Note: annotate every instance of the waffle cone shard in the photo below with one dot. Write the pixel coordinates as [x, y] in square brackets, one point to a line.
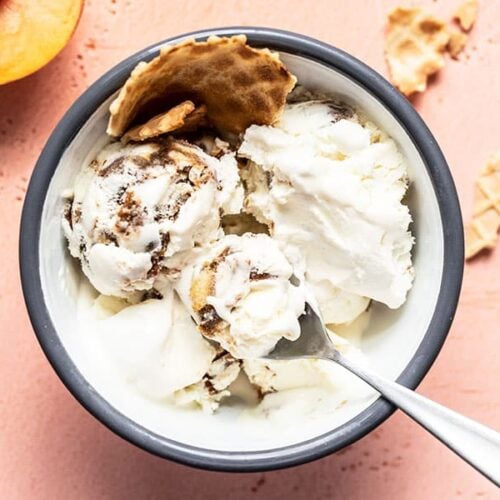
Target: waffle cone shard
[456, 43]
[239, 85]
[202, 287]
[414, 49]
[181, 117]
[466, 14]
[195, 119]
[482, 231]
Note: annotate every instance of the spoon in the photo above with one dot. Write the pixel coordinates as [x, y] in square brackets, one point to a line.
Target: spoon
[477, 444]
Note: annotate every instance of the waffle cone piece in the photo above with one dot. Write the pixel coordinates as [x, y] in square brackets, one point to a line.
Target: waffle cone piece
[415, 46]
[239, 85]
[456, 43]
[482, 232]
[181, 118]
[202, 287]
[466, 14]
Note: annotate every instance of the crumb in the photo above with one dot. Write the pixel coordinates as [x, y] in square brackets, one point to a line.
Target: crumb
[259, 483]
[90, 44]
[456, 43]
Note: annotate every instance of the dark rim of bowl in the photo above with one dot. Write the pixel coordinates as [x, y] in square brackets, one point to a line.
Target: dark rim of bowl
[294, 454]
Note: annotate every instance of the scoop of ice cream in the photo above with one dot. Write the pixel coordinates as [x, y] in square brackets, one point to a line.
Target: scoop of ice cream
[331, 187]
[338, 307]
[241, 295]
[142, 208]
[148, 343]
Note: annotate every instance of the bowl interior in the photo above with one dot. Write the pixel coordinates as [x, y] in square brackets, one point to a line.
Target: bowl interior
[390, 342]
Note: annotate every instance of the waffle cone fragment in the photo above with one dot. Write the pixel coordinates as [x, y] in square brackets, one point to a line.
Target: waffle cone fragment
[415, 44]
[183, 117]
[482, 232]
[456, 43]
[202, 287]
[195, 119]
[466, 14]
[239, 85]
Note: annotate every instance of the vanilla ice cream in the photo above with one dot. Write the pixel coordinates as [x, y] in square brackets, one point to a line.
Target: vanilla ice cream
[241, 295]
[140, 209]
[332, 186]
[145, 343]
[203, 254]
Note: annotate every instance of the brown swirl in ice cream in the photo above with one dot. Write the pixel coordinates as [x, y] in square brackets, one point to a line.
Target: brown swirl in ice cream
[141, 208]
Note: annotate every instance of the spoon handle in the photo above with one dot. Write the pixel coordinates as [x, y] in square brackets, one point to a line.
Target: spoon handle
[477, 444]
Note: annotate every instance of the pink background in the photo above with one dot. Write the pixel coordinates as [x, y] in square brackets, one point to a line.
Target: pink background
[50, 448]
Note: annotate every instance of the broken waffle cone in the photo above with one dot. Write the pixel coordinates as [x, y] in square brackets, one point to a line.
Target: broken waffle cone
[466, 14]
[194, 120]
[173, 119]
[456, 43]
[415, 44]
[239, 85]
[482, 232]
[202, 287]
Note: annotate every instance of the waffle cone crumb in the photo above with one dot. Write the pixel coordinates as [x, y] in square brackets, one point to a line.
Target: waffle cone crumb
[482, 231]
[183, 117]
[202, 287]
[466, 14]
[457, 43]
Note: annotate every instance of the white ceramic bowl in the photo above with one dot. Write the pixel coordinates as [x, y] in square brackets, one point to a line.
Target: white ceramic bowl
[401, 344]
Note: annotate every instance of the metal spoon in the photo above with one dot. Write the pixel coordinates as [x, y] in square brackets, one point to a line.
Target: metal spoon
[477, 444]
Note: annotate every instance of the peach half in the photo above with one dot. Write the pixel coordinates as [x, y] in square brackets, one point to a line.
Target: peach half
[33, 32]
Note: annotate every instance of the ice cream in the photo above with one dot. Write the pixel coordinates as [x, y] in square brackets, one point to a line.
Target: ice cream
[141, 209]
[241, 295]
[203, 253]
[213, 386]
[202, 289]
[149, 342]
[331, 186]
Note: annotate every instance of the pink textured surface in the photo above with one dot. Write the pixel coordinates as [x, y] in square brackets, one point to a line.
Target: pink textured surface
[50, 448]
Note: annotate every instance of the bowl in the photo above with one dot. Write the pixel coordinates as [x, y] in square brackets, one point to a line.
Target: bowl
[401, 344]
